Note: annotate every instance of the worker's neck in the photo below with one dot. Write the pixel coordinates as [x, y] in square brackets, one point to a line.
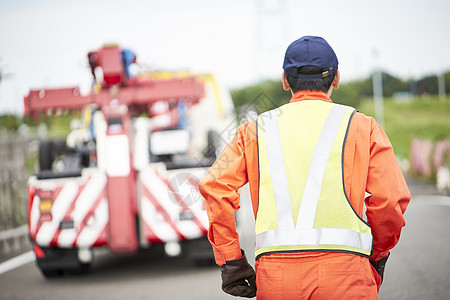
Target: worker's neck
[330, 91]
[310, 95]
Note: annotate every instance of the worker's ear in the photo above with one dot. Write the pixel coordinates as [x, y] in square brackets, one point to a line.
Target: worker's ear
[336, 79]
[286, 85]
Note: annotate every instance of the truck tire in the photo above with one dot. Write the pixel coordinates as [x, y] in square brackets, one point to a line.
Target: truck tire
[51, 273]
[200, 252]
[212, 149]
[58, 262]
[204, 261]
[45, 155]
[59, 147]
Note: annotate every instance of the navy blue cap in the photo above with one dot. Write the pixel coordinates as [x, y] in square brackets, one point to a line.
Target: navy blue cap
[310, 51]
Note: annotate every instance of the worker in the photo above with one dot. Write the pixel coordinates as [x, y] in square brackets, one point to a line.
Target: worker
[309, 164]
[128, 58]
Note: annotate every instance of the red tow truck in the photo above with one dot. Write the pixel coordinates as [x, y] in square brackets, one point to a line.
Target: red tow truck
[126, 176]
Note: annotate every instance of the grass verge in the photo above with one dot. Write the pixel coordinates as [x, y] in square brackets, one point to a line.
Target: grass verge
[427, 118]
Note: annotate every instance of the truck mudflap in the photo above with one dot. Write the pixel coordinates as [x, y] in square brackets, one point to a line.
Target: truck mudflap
[69, 213]
[171, 208]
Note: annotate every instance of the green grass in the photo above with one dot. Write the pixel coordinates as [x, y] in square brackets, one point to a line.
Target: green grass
[427, 118]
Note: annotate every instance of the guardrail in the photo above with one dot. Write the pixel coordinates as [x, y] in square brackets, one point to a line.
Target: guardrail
[13, 181]
[14, 240]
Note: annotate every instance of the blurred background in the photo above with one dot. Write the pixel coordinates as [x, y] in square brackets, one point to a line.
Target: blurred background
[394, 64]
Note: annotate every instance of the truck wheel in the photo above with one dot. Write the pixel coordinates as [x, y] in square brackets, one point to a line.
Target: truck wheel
[80, 269]
[200, 252]
[45, 155]
[204, 261]
[212, 149]
[51, 273]
[59, 147]
[57, 262]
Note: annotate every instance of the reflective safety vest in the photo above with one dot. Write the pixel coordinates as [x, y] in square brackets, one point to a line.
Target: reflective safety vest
[303, 205]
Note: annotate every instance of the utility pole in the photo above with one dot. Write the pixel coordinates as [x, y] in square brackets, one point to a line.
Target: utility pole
[377, 82]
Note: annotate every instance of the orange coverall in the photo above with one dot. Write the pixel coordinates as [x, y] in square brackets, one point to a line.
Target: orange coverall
[369, 165]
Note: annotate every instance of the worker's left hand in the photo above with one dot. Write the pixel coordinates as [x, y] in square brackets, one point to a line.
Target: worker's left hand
[239, 278]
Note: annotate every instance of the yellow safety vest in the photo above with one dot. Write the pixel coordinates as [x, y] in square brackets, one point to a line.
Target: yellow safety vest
[303, 205]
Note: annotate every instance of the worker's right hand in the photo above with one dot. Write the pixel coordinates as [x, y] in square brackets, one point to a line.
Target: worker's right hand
[379, 266]
[239, 278]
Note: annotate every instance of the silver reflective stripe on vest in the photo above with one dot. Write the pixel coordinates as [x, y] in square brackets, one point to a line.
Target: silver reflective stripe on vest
[314, 236]
[311, 194]
[277, 170]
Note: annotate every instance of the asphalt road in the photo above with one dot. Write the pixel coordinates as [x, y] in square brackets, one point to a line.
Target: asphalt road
[145, 276]
[419, 267]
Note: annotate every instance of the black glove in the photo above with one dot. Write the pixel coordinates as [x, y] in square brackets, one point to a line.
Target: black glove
[239, 278]
[379, 266]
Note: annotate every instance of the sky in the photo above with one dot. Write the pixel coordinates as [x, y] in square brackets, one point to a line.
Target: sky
[44, 43]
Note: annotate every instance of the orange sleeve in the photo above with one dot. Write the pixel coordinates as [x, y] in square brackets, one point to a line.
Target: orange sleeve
[389, 194]
[220, 187]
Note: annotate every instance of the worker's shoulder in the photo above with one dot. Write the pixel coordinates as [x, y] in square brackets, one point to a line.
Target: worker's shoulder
[363, 120]
[366, 127]
[247, 129]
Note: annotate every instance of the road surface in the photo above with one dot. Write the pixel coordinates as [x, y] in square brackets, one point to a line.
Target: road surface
[419, 267]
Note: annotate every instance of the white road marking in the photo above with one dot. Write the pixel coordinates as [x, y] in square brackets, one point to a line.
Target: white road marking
[17, 262]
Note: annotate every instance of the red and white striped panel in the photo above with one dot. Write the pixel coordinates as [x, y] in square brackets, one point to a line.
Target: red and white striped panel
[166, 208]
[81, 200]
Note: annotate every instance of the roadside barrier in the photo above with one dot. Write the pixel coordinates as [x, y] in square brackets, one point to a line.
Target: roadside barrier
[431, 159]
[14, 240]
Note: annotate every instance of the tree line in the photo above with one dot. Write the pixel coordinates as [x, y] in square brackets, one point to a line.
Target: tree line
[351, 93]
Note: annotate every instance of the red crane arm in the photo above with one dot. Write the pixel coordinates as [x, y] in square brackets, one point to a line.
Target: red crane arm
[139, 95]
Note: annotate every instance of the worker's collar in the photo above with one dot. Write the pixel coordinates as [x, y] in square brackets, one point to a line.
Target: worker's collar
[310, 95]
